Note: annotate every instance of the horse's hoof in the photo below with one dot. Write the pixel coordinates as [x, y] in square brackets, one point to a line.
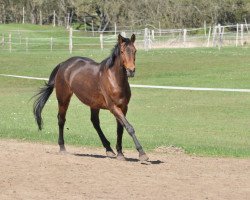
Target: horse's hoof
[62, 149]
[110, 154]
[143, 157]
[121, 157]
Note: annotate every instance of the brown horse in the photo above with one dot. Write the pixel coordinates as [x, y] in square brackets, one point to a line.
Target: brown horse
[100, 86]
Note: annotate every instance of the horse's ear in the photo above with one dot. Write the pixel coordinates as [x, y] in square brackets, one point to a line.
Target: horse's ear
[120, 39]
[133, 38]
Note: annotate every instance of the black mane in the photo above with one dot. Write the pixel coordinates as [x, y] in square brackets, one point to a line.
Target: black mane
[109, 62]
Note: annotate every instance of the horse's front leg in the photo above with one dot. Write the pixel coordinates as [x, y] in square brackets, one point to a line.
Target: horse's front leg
[120, 129]
[122, 119]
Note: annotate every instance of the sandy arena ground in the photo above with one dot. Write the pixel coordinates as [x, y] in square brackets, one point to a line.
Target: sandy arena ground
[38, 171]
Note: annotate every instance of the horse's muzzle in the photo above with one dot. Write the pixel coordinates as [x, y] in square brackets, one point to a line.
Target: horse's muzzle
[130, 73]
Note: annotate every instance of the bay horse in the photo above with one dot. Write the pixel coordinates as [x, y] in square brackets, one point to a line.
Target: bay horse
[100, 86]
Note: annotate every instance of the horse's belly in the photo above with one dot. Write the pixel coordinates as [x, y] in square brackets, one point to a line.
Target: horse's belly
[85, 87]
[91, 98]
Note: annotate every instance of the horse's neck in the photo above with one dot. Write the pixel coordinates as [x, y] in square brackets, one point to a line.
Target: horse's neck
[119, 72]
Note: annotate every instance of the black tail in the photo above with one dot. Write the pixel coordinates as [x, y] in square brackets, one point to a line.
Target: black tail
[43, 96]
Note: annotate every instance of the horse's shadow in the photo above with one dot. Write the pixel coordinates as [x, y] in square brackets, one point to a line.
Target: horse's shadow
[154, 162]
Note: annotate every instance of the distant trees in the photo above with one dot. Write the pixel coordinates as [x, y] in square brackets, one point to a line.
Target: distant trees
[104, 13]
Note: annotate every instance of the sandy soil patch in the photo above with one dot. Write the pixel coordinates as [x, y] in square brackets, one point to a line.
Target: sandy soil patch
[38, 171]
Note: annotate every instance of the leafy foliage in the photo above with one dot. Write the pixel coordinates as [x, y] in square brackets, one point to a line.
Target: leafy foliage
[105, 13]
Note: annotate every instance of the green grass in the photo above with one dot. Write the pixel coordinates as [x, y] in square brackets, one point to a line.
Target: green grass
[202, 123]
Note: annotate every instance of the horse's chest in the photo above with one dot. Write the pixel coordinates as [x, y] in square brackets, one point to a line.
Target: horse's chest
[120, 97]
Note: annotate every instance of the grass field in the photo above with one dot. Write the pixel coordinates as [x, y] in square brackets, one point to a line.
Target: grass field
[203, 123]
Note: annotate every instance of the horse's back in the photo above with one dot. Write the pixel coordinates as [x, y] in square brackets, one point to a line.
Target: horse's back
[79, 66]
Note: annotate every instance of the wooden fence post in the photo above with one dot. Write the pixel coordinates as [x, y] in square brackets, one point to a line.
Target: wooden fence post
[214, 36]
[54, 18]
[101, 40]
[208, 38]
[92, 26]
[153, 34]
[219, 33]
[115, 28]
[241, 34]
[67, 21]
[246, 25]
[237, 35]
[123, 33]
[23, 15]
[70, 40]
[184, 36]
[85, 25]
[146, 39]
[4, 14]
[41, 18]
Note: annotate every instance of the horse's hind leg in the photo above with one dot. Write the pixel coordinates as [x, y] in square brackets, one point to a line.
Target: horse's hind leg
[96, 123]
[63, 96]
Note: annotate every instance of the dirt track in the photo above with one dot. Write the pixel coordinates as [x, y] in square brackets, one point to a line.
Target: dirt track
[37, 171]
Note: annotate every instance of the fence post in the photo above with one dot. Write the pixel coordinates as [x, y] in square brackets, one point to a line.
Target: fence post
[241, 34]
[41, 18]
[10, 47]
[214, 36]
[85, 24]
[115, 28]
[70, 40]
[220, 39]
[184, 36]
[54, 18]
[237, 35]
[67, 21]
[92, 26]
[246, 25]
[153, 34]
[222, 35]
[123, 33]
[101, 40]
[51, 44]
[23, 15]
[208, 38]
[146, 39]
[4, 15]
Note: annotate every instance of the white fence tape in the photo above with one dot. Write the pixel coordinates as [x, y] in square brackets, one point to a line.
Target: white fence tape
[150, 86]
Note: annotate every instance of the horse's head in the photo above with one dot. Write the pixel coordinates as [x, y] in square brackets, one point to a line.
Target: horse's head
[127, 50]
